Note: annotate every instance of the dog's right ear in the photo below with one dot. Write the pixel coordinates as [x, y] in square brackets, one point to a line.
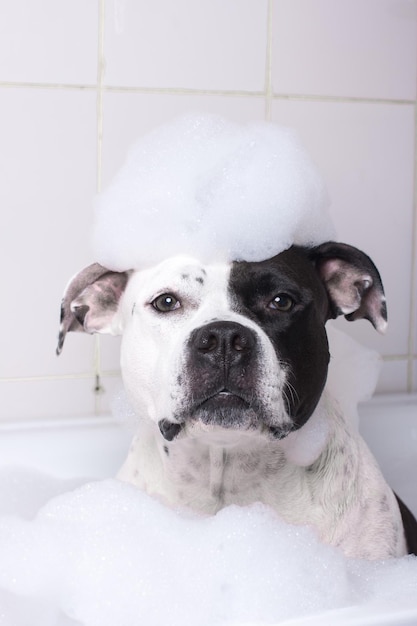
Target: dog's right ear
[90, 301]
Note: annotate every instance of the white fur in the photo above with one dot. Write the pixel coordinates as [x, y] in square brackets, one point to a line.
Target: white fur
[336, 486]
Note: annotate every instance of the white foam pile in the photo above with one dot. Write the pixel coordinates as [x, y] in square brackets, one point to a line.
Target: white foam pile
[108, 554]
[208, 187]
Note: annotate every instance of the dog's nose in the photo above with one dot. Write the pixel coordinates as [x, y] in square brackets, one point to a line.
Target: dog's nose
[222, 340]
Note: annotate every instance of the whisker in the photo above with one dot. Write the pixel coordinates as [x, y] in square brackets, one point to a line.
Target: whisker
[290, 396]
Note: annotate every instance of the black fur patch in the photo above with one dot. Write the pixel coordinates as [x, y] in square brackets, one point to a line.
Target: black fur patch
[410, 526]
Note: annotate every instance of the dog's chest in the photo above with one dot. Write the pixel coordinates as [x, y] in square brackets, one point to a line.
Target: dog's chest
[342, 494]
[208, 478]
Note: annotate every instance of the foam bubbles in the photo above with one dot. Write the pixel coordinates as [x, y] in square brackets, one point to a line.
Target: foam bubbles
[107, 554]
[213, 189]
[353, 372]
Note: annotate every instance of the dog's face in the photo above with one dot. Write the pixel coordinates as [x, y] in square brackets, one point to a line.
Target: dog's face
[235, 347]
[241, 346]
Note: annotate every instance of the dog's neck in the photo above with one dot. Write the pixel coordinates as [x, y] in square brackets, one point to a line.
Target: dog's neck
[206, 471]
[207, 476]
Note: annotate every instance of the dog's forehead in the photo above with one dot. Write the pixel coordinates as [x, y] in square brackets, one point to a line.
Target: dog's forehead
[290, 270]
[179, 273]
[290, 265]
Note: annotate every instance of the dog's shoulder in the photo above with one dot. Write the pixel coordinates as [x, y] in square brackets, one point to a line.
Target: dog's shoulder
[361, 512]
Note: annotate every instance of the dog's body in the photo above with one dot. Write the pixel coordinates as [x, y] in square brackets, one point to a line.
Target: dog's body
[342, 494]
[226, 366]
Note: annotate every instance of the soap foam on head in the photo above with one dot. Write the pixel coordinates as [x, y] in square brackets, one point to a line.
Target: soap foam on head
[213, 189]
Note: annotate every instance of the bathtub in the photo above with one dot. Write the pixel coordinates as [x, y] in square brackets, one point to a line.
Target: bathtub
[94, 448]
[389, 425]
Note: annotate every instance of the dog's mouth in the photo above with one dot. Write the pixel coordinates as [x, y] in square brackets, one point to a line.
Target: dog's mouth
[224, 409]
[223, 400]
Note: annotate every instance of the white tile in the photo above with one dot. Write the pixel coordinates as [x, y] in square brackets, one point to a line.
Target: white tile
[46, 399]
[414, 292]
[393, 377]
[357, 48]
[365, 153]
[128, 116]
[49, 41]
[48, 161]
[210, 44]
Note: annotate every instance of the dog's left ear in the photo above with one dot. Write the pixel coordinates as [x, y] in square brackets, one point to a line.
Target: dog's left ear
[352, 282]
[91, 301]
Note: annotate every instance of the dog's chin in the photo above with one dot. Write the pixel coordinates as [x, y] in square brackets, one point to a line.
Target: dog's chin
[226, 410]
[222, 418]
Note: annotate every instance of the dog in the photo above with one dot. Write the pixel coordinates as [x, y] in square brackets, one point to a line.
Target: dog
[226, 365]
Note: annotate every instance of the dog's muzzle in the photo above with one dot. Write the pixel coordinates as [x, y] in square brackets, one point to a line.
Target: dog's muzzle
[222, 373]
[221, 367]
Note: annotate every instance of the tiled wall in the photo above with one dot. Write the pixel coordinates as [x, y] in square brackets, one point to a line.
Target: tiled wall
[80, 80]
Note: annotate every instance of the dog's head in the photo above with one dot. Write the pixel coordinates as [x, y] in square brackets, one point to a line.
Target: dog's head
[238, 346]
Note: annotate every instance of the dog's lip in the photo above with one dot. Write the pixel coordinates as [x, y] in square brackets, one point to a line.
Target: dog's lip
[225, 393]
[225, 398]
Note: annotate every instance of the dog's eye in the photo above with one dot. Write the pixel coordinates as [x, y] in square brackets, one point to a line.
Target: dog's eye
[166, 303]
[282, 302]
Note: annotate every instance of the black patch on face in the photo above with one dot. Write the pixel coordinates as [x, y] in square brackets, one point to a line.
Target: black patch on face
[298, 335]
[200, 280]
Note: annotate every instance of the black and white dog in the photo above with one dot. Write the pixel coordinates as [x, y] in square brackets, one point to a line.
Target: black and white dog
[226, 366]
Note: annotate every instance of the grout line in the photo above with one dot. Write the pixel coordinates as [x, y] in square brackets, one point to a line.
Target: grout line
[98, 376]
[52, 86]
[49, 377]
[98, 389]
[209, 92]
[127, 89]
[184, 91]
[100, 80]
[413, 281]
[268, 68]
[395, 357]
[97, 363]
[343, 99]
[31, 425]
[111, 373]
